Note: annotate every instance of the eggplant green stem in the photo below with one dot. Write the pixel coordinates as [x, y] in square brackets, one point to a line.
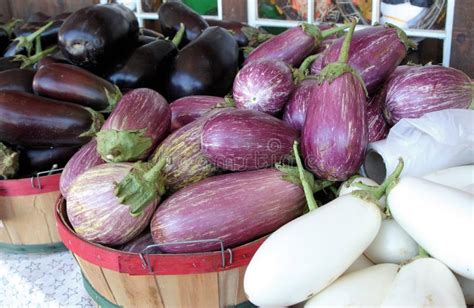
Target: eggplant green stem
[327, 33]
[300, 73]
[386, 186]
[29, 61]
[27, 41]
[38, 47]
[141, 186]
[344, 53]
[308, 191]
[422, 253]
[179, 35]
[228, 102]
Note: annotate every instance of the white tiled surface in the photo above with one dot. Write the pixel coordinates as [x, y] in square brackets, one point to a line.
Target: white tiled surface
[41, 280]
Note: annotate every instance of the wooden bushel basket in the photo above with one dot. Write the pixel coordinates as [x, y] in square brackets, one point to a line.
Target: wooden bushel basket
[27, 222]
[126, 279]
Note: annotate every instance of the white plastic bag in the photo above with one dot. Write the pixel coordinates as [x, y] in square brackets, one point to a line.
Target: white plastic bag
[437, 140]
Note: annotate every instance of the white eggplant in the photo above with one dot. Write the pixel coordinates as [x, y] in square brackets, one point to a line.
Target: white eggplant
[351, 185]
[360, 263]
[392, 244]
[366, 287]
[437, 217]
[309, 253]
[422, 283]
[467, 286]
[461, 177]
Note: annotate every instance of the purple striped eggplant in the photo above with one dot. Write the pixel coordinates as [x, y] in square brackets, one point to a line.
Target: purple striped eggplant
[375, 52]
[264, 86]
[182, 151]
[424, 89]
[187, 109]
[140, 243]
[74, 84]
[293, 45]
[135, 127]
[9, 162]
[84, 159]
[295, 110]
[242, 140]
[235, 207]
[97, 214]
[376, 124]
[334, 137]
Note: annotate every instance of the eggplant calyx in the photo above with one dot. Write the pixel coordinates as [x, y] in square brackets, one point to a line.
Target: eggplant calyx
[255, 36]
[179, 35]
[9, 162]
[328, 32]
[97, 121]
[409, 44]
[10, 26]
[313, 31]
[30, 61]
[116, 146]
[27, 41]
[141, 186]
[227, 103]
[301, 73]
[247, 50]
[112, 98]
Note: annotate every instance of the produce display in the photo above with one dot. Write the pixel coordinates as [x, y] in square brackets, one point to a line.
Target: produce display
[219, 131]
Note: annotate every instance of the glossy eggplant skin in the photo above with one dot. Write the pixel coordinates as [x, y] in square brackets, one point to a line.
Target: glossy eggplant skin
[48, 60]
[206, 66]
[33, 121]
[172, 14]
[147, 67]
[73, 84]
[151, 33]
[37, 160]
[8, 63]
[12, 50]
[235, 27]
[98, 35]
[143, 40]
[17, 79]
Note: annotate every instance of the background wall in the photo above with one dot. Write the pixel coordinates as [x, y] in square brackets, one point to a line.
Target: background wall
[462, 54]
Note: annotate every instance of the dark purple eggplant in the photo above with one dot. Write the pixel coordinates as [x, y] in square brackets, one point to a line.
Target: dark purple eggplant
[263, 85]
[9, 162]
[74, 84]
[182, 150]
[37, 160]
[17, 79]
[375, 52]
[189, 108]
[206, 66]
[293, 45]
[148, 65]
[38, 17]
[242, 140]
[84, 159]
[48, 60]
[151, 33]
[420, 90]
[4, 40]
[172, 14]
[48, 37]
[95, 36]
[9, 63]
[334, 137]
[135, 127]
[235, 28]
[33, 121]
[143, 40]
[235, 208]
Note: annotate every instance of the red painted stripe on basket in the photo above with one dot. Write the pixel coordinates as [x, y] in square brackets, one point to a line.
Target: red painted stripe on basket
[23, 187]
[166, 264]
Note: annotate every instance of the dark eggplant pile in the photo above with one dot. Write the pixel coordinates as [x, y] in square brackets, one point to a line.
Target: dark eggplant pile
[173, 136]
